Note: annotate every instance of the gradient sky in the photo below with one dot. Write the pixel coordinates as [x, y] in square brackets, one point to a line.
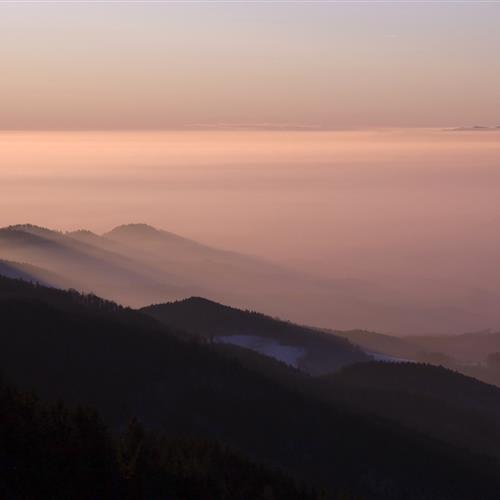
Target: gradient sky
[175, 65]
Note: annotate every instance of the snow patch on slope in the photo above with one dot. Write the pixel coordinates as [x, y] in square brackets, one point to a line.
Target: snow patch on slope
[377, 356]
[268, 347]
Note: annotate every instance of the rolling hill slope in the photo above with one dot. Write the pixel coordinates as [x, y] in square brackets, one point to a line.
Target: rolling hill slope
[59, 452]
[466, 348]
[137, 265]
[434, 400]
[305, 348]
[379, 343]
[85, 350]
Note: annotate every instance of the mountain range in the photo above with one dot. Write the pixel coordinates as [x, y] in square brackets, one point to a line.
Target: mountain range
[165, 386]
[138, 265]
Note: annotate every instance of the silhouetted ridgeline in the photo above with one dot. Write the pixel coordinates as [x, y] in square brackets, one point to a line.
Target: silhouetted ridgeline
[126, 365]
[382, 344]
[27, 272]
[138, 265]
[476, 354]
[467, 348]
[318, 352]
[433, 400]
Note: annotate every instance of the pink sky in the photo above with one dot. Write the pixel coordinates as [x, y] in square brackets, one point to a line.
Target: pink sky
[173, 65]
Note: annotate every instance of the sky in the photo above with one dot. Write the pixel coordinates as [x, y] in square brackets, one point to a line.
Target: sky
[312, 65]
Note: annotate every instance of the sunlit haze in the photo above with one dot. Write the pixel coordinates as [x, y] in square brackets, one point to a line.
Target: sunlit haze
[410, 216]
[356, 143]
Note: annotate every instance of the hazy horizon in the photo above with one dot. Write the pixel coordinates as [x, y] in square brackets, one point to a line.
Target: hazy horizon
[314, 135]
[410, 215]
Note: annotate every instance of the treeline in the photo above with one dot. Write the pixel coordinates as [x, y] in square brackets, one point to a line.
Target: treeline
[57, 452]
[322, 352]
[73, 301]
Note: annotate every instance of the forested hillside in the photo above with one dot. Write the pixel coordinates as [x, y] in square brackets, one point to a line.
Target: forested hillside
[92, 352]
[318, 352]
[59, 452]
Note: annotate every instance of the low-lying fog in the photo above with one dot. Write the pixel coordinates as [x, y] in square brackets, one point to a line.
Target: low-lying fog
[403, 217]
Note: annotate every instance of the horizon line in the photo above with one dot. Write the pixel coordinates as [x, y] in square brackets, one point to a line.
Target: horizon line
[254, 128]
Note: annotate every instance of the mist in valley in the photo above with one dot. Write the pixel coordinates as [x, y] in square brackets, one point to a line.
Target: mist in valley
[393, 230]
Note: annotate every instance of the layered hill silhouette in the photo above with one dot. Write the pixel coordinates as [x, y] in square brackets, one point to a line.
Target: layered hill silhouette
[86, 350]
[308, 349]
[434, 400]
[88, 267]
[381, 344]
[137, 265]
[474, 347]
[29, 273]
[475, 354]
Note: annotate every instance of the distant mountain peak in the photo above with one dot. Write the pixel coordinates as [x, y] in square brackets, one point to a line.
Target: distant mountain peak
[202, 300]
[83, 235]
[82, 232]
[475, 128]
[207, 304]
[139, 232]
[31, 228]
[32, 231]
[138, 229]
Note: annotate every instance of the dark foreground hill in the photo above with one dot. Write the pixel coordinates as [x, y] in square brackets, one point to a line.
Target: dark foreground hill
[125, 364]
[51, 451]
[310, 350]
[433, 400]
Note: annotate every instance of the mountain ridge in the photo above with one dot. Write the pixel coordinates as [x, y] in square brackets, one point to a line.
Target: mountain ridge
[320, 352]
[159, 266]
